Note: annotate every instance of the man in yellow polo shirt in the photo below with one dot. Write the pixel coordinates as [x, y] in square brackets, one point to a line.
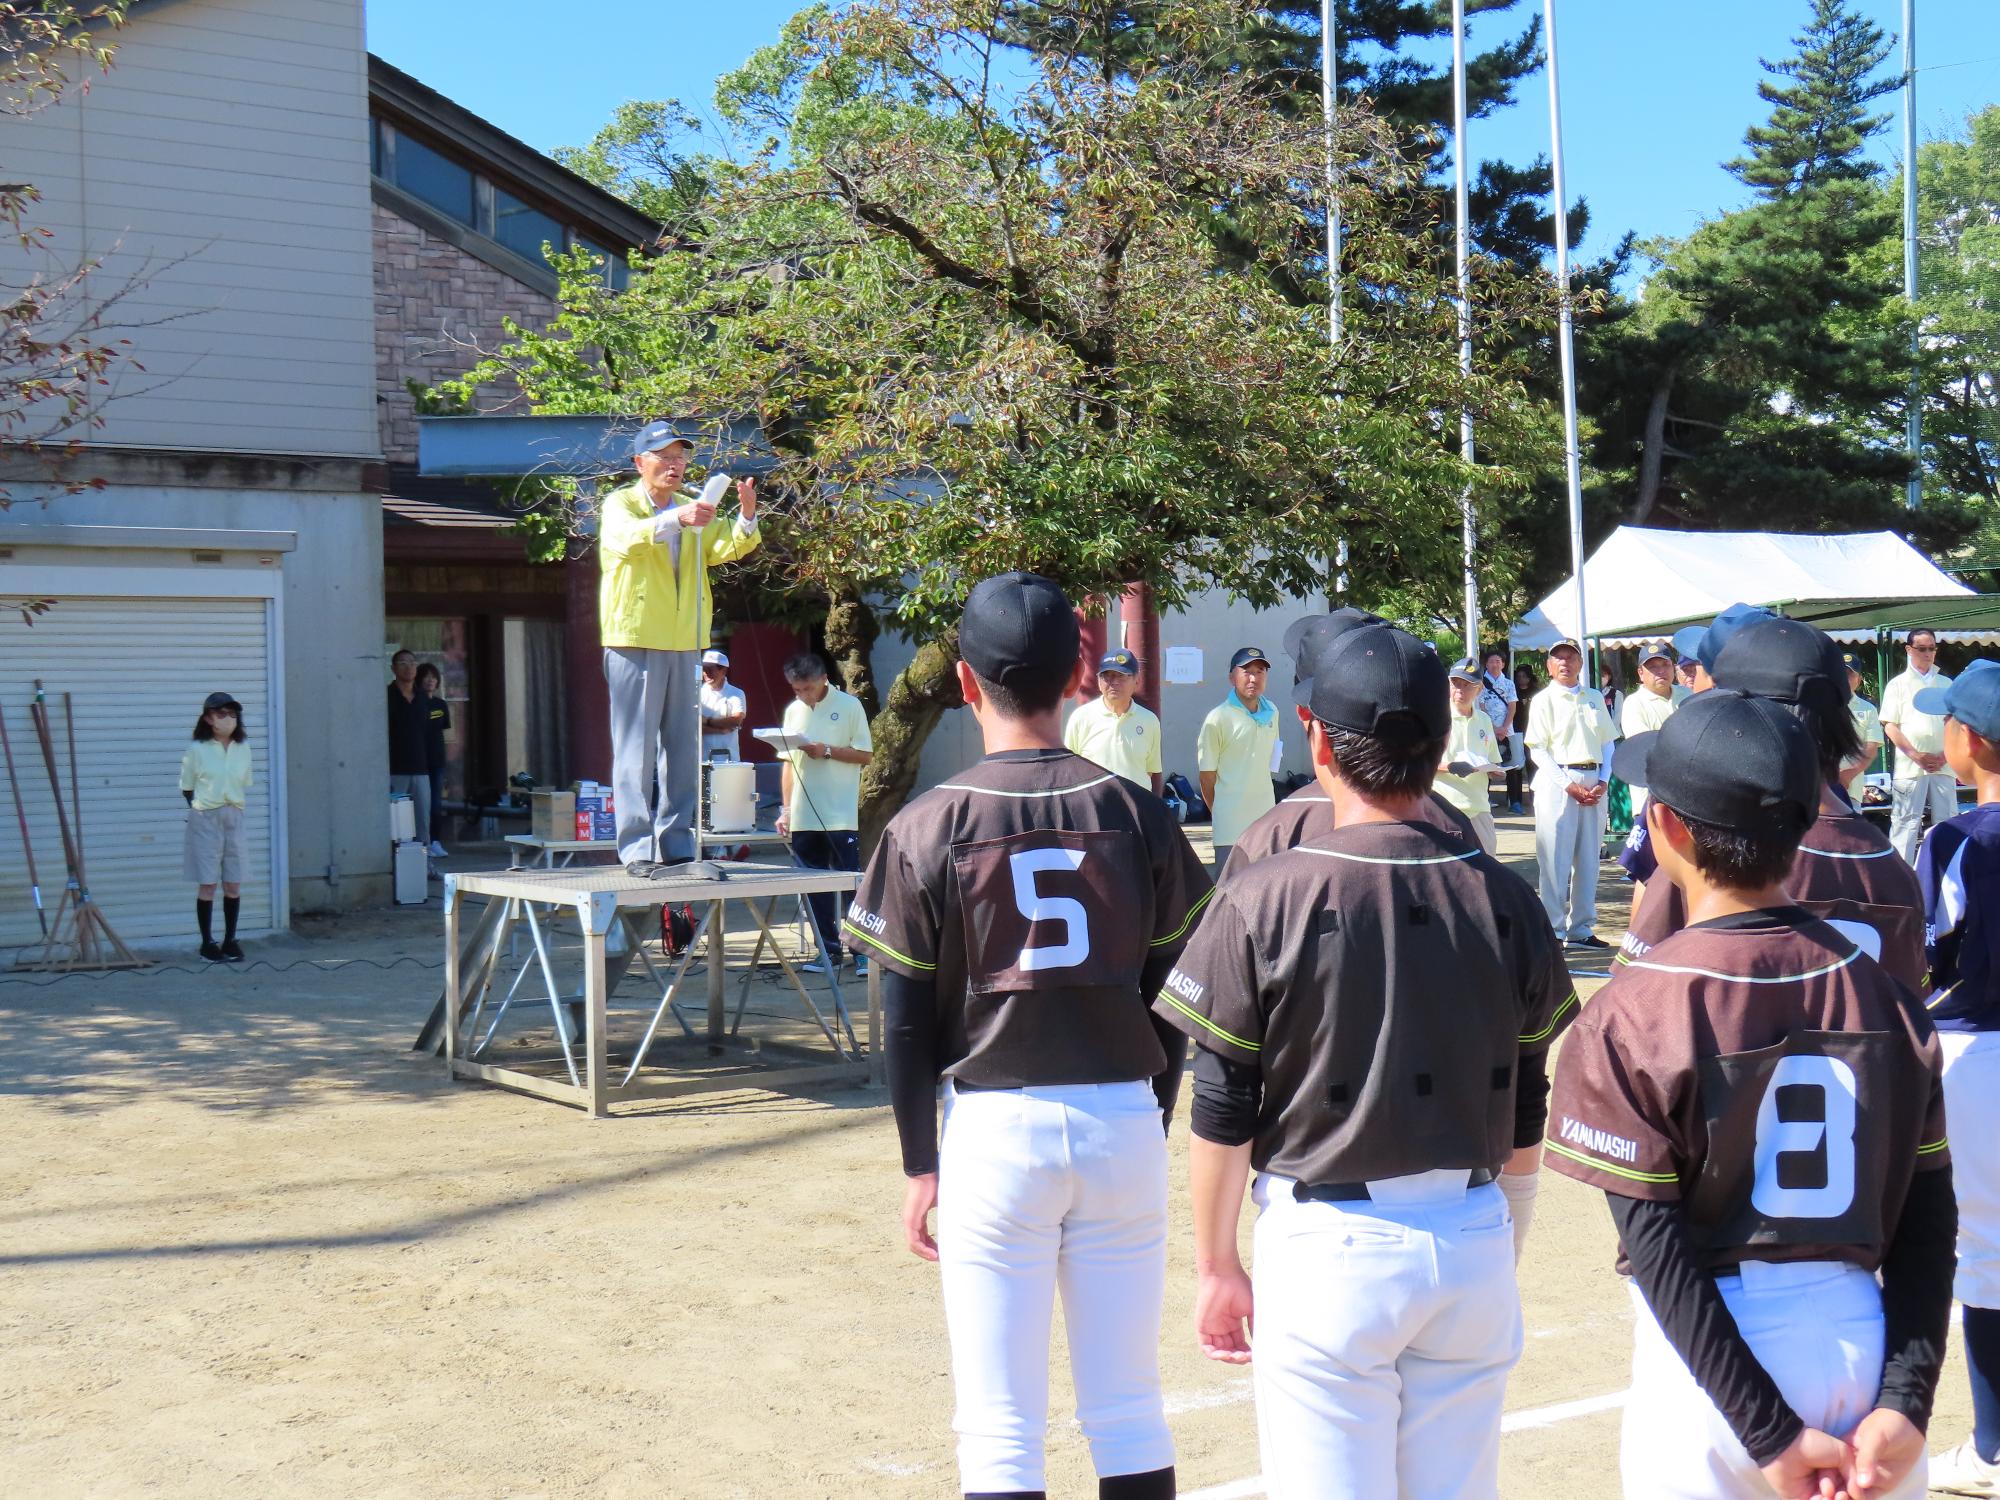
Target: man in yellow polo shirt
[1651, 704]
[1923, 782]
[1867, 724]
[1117, 733]
[1570, 734]
[821, 783]
[655, 545]
[1237, 752]
[1471, 755]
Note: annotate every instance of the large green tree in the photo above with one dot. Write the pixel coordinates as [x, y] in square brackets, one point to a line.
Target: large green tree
[978, 311]
[1742, 389]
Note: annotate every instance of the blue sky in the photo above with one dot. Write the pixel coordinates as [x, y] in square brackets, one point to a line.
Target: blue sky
[1655, 92]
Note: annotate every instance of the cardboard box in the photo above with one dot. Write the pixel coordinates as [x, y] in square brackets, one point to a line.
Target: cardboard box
[580, 825]
[603, 827]
[552, 815]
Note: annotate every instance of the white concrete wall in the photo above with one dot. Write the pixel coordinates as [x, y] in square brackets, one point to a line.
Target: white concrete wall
[1214, 622]
[223, 161]
[337, 757]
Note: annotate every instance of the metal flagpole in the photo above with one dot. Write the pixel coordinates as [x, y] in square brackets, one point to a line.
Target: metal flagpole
[1915, 436]
[1470, 529]
[1565, 333]
[1329, 104]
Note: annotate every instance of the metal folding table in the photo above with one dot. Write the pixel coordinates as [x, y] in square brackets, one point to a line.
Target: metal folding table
[607, 899]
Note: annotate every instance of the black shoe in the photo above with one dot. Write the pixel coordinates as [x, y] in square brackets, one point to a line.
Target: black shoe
[212, 953]
[1592, 941]
[232, 951]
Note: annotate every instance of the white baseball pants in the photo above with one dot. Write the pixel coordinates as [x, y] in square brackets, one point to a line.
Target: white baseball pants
[1044, 1190]
[1908, 797]
[1385, 1333]
[1569, 844]
[1815, 1326]
[1972, 1105]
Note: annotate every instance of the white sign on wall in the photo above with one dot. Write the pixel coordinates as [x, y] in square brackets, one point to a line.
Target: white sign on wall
[1182, 664]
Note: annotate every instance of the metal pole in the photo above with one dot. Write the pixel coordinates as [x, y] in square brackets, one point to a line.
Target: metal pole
[1565, 330]
[1329, 104]
[1468, 522]
[1915, 436]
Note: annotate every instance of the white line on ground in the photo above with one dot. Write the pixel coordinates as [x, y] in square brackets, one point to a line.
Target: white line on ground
[1514, 1421]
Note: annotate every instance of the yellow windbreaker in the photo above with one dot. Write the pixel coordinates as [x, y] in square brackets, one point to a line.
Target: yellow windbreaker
[642, 599]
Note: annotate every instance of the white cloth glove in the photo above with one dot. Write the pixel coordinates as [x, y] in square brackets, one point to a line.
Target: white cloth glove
[1520, 1189]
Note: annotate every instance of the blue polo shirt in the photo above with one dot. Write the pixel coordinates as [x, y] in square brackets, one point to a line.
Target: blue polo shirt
[1959, 869]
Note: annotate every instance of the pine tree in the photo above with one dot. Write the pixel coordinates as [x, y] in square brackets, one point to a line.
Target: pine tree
[1819, 120]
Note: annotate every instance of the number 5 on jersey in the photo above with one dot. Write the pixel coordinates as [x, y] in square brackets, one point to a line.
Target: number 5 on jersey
[1052, 909]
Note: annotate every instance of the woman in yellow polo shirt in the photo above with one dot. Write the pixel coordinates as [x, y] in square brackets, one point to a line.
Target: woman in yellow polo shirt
[215, 780]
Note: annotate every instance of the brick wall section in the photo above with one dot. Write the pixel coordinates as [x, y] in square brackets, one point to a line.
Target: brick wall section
[431, 299]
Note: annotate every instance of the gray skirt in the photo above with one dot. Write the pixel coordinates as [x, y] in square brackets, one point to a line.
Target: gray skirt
[212, 852]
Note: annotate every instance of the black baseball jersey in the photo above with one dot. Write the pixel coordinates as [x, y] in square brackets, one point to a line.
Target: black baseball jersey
[1386, 979]
[1847, 873]
[1034, 890]
[1765, 1073]
[1307, 815]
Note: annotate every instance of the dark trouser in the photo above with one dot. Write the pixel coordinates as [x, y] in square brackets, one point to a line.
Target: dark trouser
[1513, 789]
[437, 805]
[827, 851]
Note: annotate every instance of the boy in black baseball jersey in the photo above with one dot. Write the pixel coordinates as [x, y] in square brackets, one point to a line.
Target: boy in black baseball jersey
[1763, 1106]
[1308, 813]
[1846, 871]
[1021, 913]
[1373, 1011]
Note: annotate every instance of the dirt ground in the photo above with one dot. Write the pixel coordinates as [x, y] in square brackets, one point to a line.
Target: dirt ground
[251, 1245]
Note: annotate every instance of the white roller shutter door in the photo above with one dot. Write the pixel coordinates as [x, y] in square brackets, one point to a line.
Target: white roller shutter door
[137, 670]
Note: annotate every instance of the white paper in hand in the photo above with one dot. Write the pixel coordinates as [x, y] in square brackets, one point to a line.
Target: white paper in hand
[715, 489]
[778, 740]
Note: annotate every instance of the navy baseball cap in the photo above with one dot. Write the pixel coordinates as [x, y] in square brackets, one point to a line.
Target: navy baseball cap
[1852, 661]
[1467, 669]
[656, 435]
[1972, 698]
[1656, 651]
[1788, 660]
[220, 700]
[1705, 642]
[1247, 656]
[1729, 758]
[1307, 638]
[1370, 675]
[1119, 661]
[1019, 630]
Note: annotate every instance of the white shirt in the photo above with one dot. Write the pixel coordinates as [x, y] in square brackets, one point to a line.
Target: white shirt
[1925, 732]
[725, 702]
[1497, 697]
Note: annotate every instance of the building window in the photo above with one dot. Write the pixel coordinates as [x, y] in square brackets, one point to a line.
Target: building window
[432, 177]
[617, 275]
[524, 229]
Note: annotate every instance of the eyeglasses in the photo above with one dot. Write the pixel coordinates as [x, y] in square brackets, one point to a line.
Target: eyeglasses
[1924, 650]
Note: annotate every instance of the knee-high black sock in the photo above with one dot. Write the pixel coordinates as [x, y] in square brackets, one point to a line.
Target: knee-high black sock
[1154, 1484]
[203, 913]
[231, 905]
[1006, 1495]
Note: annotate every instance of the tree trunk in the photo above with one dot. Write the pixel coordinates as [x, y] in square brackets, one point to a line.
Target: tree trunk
[1656, 441]
[917, 699]
[851, 629]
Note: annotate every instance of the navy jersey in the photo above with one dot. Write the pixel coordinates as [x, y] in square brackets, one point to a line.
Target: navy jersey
[1959, 870]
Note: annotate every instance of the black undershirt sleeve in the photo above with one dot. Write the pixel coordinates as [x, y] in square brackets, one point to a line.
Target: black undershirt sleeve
[1166, 1084]
[1531, 1098]
[1697, 1322]
[1916, 1296]
[1228, 1097]
[909, 1047]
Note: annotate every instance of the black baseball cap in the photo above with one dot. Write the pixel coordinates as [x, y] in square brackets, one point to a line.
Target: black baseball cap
[1373, 673]
[1730, 758]
[1788, 660]
[1308, 637]
[220, 700]
[1019, 630]
[1247, 656]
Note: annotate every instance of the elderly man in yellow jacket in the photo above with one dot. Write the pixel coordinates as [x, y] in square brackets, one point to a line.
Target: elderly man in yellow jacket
[655, 545]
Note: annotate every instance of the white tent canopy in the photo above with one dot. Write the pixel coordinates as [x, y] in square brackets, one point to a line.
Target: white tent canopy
[1643, 582]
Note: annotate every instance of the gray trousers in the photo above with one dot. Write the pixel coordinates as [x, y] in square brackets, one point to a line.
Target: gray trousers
[1909, 798]
[655, 728]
